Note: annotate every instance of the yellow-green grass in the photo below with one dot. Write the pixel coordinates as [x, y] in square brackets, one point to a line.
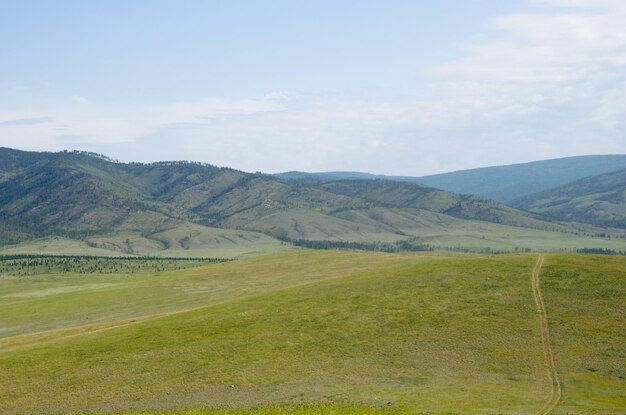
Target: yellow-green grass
[215, 243]
[349, 331]
[476, 236]
[192, 241]
[80, 302]
[56, 246]
[185, 239]
[278, 410]
[586, 301]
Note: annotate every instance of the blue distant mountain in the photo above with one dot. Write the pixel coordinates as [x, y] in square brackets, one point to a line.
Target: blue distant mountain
[501, 183]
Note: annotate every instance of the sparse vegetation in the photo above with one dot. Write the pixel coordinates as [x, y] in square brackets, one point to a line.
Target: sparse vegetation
[600, 251]
[197, 210]
[398, 246]
[599, 200]
[21, 264]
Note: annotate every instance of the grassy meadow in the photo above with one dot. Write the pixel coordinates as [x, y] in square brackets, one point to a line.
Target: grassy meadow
[440, 232]
[317, 332]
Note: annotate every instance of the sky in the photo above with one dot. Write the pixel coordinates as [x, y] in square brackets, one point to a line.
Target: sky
[389, 87]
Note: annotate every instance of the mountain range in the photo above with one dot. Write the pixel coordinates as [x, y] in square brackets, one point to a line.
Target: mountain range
[600, 200]
[502, 184]
[185, 208]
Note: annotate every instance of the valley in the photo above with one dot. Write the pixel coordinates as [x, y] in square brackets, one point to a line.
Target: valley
[180, 287]
[313, 207]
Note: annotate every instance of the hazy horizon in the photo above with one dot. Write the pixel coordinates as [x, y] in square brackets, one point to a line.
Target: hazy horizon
[403, 88]
[316, 172]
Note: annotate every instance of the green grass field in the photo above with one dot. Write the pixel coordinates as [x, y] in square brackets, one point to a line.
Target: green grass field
[223, 244]
[317, 332]
[199, 241]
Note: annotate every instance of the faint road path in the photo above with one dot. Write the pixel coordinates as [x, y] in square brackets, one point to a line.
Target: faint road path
[548, 352]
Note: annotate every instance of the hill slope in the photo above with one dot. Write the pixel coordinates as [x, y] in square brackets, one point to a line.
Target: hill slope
[190, 209]
[600, 200]
[319, 327]
[506, 183]
[12, 161]
[114, 207]
[501, 183]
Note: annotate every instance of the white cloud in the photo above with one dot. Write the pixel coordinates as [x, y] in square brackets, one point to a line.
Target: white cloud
[550, 83]
[26, 121]
[211, 108]
[79, 99]
[556, 77]
[588, 4]
[55, 127]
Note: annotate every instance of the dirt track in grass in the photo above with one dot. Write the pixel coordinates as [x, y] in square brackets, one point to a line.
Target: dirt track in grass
[548, 352]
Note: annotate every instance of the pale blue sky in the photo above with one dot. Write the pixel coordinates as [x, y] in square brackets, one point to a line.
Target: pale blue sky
[396, 87]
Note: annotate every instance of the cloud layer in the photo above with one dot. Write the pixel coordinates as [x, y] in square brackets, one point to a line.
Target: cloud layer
[551, 82]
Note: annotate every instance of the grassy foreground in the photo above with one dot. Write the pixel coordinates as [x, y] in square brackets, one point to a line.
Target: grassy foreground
[279, 410]
[337, 332]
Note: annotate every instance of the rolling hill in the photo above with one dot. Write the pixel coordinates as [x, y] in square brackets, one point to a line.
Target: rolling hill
[416, 333]
[192, 209]
[501, 183]
[113, 207]
[599, 200]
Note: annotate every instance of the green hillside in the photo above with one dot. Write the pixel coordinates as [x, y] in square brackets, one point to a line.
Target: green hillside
[599, 200]
[102, 207]
[77, 203]
[331, 176]
[60, 195]
[501, 183]
[341, 329]
[408, 195]
[13, 161]
[506, 183]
